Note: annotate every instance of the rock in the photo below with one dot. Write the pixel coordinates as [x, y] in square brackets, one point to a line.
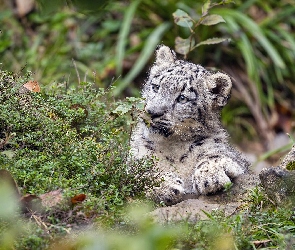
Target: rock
[289, 161]
[279, 184]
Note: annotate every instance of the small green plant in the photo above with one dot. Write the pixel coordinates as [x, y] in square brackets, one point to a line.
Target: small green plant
[183, 19]
[228, 186]
[257, 199]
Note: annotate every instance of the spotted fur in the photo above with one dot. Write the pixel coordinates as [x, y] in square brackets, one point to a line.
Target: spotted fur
[182, 128]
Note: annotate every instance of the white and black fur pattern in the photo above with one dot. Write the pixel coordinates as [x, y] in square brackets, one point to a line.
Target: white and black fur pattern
[182, 128]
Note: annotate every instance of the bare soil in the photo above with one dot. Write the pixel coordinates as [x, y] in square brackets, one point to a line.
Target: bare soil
[228, 201]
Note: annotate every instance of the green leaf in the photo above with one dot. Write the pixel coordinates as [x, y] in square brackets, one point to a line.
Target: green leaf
[150, 45]
[206, 7]
[212, 20]
[181, 18]
[253, 28]
[214, 40]
[207, 214]
[123, 109]
[291, 165]
[184, 46]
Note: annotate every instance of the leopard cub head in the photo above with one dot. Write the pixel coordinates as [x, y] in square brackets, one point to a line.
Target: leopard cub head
[183, 99]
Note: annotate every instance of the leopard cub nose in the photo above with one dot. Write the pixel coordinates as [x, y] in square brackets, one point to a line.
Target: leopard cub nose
[155, 113]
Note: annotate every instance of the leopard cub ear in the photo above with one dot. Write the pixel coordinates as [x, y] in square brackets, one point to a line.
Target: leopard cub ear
[220, 86]
[164, 56]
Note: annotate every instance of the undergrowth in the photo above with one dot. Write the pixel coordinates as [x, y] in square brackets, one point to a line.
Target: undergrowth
[76, 139]
[253, 227]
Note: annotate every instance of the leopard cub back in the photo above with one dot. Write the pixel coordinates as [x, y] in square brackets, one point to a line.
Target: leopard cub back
[182, 129]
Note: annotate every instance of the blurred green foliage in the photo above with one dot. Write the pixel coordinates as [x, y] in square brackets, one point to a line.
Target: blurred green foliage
[253, 227]
[85, 6]
[113, 45]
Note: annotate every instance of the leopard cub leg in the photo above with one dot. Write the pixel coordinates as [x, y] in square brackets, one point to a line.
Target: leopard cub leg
[170, 190]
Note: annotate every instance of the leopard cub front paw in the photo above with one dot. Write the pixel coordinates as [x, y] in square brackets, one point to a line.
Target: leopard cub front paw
[212, 176]
[170, 191]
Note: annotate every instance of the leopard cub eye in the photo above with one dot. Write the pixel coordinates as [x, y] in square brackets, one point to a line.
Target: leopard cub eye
[155, 87]
[182, 99]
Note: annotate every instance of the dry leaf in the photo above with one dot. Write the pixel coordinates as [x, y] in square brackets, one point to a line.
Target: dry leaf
[78, 198]
[32, 86]
[260, 243]
[28, 198]
[31, 202]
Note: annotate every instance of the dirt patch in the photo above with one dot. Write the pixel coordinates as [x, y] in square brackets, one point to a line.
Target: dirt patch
[192, 209]
[196, 209]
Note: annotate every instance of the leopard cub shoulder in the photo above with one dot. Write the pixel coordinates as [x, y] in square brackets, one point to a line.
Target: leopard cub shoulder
[182, 129]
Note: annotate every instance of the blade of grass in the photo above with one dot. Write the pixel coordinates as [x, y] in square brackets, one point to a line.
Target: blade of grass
[246, 49]
[122, 39]
[285, 43]
[245, 5]
[149, 47]
[275, 151]
[252, 65]
[284, 14]
[249, 56]
[288, 37]
[207, 214]
[255, 31]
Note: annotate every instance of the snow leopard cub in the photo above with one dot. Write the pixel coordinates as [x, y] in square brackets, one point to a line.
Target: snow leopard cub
[182, 129]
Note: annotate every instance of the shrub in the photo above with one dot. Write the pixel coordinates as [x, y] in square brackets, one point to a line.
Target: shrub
[70, 138]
